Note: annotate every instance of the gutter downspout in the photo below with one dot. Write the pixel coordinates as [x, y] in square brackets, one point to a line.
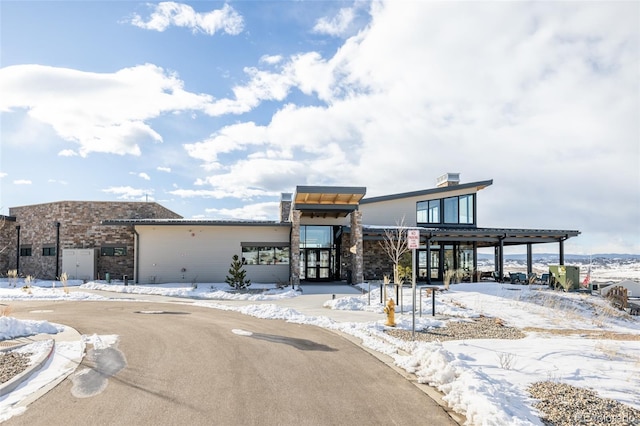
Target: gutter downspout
[57, 250]
[18, 250]
[136, 258]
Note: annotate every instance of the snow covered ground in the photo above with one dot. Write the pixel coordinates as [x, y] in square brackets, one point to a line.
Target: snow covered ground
[484, 379]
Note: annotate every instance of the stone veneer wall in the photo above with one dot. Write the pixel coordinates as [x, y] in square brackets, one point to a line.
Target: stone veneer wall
[295, 247]
[79, 228]
[356, 242]
[376, 262]
[7, 230]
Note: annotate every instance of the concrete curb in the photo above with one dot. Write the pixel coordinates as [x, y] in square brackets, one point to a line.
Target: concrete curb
[11, 385]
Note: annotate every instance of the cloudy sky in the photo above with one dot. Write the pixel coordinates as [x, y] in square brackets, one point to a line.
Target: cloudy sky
[213, 109]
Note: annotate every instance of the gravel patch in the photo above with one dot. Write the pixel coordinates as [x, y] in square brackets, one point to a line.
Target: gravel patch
[13, 363]
[565, 405]
[481, 328]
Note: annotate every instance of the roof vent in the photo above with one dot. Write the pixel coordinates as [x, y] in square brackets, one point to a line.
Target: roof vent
[448, 179]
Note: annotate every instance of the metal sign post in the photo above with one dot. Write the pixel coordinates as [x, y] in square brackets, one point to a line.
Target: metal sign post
[413, 237]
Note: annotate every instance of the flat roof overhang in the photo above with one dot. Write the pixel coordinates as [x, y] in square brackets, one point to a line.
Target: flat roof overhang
[190, 222]
[486, 237]
[324, 201]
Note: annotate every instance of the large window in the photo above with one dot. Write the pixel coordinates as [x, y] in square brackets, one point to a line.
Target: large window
[429, 211]
[451, 210]
[316, 236]
[25, 251]
[265, 255]
[465, 208]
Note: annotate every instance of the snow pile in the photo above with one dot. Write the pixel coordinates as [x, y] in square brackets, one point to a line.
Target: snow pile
[11, 328]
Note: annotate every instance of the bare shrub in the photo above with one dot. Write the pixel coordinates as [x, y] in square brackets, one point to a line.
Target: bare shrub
[5, 310]
[507, 360]
[12, 274]
[64, 278]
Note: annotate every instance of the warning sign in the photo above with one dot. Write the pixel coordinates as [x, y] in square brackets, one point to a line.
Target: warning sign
[413, 236]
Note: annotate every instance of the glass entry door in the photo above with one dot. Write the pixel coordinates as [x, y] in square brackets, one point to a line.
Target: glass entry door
[436, 273]
[317, 264]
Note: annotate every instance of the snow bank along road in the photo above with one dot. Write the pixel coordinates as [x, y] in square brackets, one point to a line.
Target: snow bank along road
[183, 364]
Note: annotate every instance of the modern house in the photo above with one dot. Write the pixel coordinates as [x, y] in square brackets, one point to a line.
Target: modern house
[324, 233]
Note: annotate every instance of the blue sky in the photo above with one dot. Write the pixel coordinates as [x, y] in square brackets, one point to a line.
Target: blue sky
[213, 109]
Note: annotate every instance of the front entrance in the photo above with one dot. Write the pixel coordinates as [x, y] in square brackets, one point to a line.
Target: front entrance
[317, 264]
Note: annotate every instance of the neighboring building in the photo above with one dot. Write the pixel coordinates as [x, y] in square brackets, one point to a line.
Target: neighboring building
[329, 233]
[33, 237]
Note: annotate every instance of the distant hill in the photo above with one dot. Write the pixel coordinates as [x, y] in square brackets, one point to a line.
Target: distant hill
[579, 258]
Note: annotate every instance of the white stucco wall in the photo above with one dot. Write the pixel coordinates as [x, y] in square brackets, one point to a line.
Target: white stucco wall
[391, 212]
[184, 253]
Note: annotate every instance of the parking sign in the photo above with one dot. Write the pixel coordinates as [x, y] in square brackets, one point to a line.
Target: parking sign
[413, 238]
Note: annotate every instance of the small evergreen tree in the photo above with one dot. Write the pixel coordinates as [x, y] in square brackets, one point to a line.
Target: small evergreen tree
[237, 275]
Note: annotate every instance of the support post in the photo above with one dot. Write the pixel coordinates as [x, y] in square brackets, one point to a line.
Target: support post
[501, 268]
[428, 245]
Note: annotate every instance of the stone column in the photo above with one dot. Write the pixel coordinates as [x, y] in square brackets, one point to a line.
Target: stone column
[295, 247]
[357, 261]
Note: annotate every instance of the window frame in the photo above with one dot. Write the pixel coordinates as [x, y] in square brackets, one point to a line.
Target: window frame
[48, 251]
[457, 210]
[271, 253]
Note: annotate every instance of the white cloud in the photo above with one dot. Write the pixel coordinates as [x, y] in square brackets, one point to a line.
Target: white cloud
[129, 193]
[263, 85]
[166, 14]
[336, 26]
[22, 182]
[238, 192]
[164, 169]
[67, 153]
[413, 96]
[271, 59]
[144, 176]
[2, 174]
[61, 182]
[105, 113]
[258, 211]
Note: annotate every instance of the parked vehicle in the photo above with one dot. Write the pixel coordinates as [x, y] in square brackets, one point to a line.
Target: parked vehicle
[518, 278]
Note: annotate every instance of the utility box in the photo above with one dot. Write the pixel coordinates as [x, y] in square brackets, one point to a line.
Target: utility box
[80, 264]
[564, 277]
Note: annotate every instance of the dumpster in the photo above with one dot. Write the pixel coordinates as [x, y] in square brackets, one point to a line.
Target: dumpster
[564, 277]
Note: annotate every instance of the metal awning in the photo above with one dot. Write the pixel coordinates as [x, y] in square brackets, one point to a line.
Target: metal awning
[485, 237]
[323, 201]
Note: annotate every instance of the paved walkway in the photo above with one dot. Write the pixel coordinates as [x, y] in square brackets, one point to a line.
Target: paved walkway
[309, 303]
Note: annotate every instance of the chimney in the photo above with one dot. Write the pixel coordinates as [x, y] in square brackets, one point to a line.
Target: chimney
[285, 206]
[448, 179]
